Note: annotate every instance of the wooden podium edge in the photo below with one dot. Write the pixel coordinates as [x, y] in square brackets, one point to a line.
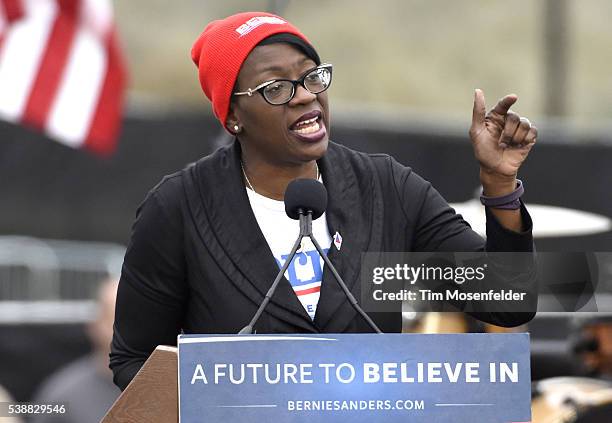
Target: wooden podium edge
[152, 396]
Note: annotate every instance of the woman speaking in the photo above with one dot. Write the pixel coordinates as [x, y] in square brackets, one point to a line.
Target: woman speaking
[209, 240]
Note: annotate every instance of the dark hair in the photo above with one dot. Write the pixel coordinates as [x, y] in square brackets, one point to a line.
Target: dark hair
[285, 37]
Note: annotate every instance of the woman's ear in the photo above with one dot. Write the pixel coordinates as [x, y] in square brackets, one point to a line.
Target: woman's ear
[232, 122]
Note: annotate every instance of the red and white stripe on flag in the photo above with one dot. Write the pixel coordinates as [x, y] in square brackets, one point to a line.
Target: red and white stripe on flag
[61, 70]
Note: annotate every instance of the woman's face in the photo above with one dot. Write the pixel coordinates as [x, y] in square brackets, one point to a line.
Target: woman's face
[278, 134]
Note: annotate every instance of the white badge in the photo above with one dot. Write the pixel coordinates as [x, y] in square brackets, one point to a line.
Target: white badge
[338, 240]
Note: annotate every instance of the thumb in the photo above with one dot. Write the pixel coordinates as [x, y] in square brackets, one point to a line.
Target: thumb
[478, 114]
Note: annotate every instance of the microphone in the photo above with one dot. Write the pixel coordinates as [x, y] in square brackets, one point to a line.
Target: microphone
[303, 196]
[306, 200]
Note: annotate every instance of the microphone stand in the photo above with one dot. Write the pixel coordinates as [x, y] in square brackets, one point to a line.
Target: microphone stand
[306, 231]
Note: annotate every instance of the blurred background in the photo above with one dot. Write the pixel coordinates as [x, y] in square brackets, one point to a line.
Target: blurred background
[404, 76]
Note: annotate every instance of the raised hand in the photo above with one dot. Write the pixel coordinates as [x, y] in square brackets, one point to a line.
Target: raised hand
[501, 138]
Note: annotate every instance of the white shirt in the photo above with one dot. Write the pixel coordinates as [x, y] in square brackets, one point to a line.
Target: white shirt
[305, 272]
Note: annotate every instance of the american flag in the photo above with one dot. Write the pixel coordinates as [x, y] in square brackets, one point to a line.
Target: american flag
[61, 70]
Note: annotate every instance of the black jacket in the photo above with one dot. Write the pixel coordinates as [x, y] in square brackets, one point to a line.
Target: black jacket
[197, 261]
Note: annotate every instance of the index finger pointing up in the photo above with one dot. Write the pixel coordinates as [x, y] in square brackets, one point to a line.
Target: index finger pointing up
[479, 111]
[505, 103]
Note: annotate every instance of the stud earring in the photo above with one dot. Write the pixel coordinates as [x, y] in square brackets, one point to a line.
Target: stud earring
[236, 128]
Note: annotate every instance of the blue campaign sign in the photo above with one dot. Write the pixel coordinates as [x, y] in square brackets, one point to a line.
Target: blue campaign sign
[354, 377]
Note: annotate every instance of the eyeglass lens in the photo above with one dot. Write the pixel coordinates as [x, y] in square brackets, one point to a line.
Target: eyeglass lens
[282, 91]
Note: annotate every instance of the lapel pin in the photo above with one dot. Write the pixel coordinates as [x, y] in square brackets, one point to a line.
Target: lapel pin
[338, 240]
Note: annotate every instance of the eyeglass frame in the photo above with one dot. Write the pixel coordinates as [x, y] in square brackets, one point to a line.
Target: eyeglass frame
[295, 83]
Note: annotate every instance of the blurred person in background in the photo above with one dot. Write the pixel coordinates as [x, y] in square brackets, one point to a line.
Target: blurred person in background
[208, 241]
[592, 342]
[6, 398]
[86, 385]
[586, 395]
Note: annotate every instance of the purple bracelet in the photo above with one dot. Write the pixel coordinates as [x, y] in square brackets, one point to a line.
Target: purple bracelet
[510, 201]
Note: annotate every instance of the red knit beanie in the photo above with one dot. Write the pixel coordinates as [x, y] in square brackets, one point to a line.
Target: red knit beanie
[224, 45]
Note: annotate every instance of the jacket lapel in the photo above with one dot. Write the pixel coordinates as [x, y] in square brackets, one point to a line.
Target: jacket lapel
[222, 206]
[353, 208]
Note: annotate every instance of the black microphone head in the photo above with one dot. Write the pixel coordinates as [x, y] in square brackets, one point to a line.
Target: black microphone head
[307, 195]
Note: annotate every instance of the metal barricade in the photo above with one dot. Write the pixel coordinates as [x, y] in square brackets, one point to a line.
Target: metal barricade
[53, 281]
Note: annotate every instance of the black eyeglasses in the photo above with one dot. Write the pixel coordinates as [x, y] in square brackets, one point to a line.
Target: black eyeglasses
[281, 91]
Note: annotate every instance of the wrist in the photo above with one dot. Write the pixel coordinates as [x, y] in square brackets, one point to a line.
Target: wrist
[495, 185]
[510, 201]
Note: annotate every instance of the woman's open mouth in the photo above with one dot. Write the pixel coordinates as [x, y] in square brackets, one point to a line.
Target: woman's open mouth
[309, 127]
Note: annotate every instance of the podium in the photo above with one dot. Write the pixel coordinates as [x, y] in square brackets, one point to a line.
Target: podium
[152, 396]
[333, 378]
